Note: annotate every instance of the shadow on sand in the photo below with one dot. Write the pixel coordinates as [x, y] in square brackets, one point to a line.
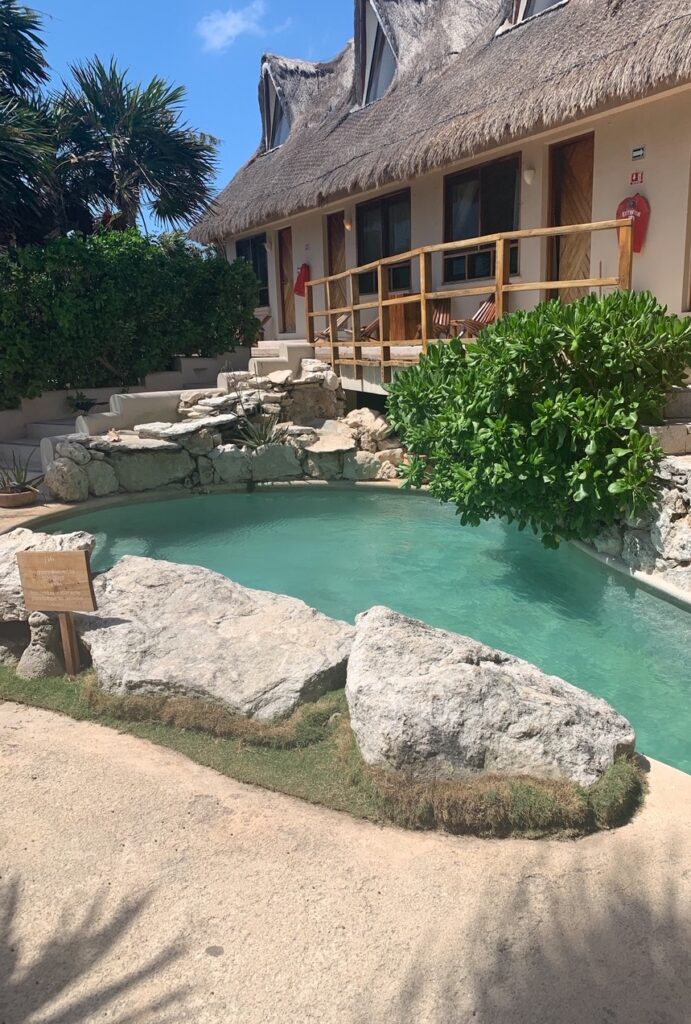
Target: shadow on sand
[589, 948]
[66, 969]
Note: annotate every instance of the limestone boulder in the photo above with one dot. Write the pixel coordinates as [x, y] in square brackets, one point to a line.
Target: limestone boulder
[67, 481]
[163, 628]
[144, 471]
[439, 704]
[42, 659]
[275, 462]
[74, 451]
[671, 536]
[180, 433]
[360, 466]
[307, 402]
[102, 478]
[12, 608]
[609, 542]
[369, 427]
[231, 464]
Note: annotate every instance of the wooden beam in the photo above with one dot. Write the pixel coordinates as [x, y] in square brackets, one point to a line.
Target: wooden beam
[626, 256]
[502, 269]
[383, 295]
[425, 284]
[588, 282]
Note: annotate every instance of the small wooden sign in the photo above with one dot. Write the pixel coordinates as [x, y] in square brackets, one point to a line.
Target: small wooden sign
[59, 581]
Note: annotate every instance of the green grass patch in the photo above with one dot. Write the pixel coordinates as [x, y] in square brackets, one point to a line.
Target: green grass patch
[313, 755]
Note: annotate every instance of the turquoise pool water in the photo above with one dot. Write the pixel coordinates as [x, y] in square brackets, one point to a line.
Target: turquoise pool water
[342, 551]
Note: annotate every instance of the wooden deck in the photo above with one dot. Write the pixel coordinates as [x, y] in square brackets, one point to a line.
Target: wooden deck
[386, 351]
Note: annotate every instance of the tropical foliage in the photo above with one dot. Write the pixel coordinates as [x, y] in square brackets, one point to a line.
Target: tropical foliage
[100, 151]
[108, 309]
[540, 420]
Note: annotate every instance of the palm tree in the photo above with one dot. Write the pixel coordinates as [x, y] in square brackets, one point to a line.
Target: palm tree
[25, 145]
[125, 147]
[22, 64]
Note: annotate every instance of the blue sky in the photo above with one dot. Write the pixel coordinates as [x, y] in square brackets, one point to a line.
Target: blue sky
[213, 47]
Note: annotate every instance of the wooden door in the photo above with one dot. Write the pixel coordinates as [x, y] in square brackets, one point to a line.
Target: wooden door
[336, 245]
[286, 270]
[572, 203]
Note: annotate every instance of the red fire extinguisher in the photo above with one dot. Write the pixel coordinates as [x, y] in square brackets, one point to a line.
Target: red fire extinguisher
[637, 208]
[302, 279]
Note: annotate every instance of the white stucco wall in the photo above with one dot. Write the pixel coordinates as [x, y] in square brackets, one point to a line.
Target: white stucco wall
[661, 125]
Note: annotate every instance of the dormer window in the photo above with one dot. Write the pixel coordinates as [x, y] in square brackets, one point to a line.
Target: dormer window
[529, 8]
[276, 119]
[377, 59]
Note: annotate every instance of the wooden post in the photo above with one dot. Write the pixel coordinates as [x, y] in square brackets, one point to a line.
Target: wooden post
[502, 268]
[70, 647]
[356, 324]
[425, 283]
[384, 320]
[309, 307]
[333, 328]
[625, 256]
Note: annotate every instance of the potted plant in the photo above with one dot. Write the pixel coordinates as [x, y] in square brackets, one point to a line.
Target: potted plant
[18, 487]
[80, 403]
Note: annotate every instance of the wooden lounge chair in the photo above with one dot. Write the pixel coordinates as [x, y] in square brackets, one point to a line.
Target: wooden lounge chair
[440, 320]
[486, 314]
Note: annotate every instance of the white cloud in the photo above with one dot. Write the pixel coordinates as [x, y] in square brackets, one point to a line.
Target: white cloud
[220, 29]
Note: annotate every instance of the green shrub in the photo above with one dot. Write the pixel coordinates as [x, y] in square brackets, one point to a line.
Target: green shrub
[539, 420]
[108, 309]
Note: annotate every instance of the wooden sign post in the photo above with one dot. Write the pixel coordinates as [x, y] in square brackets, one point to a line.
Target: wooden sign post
[59, 581]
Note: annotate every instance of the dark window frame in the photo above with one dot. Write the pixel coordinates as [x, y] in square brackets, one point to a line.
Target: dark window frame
[259, 261]
[400, 274]
[272, 122]
[479, 262]
[363, 78]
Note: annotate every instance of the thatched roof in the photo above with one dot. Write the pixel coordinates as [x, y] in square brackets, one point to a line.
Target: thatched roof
[460, 89]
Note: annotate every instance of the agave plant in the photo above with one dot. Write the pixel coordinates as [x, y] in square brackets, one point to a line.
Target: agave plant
[17, 477]
[261, 431]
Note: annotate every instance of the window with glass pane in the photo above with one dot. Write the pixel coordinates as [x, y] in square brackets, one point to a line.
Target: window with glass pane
[279, 125]
[383, 229]
[254, 251]
[537, 6]
[383, 67]
[481, 201]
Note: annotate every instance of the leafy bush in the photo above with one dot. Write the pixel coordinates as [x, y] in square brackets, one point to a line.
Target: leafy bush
[539, 420]
[108, 309]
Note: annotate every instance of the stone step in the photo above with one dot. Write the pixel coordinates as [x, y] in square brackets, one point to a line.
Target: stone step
[679, 404]
[674, 436]
[50, 428]
[23, 449]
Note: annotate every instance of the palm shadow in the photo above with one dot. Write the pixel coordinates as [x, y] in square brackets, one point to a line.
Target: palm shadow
[62, 967]
[593, 947]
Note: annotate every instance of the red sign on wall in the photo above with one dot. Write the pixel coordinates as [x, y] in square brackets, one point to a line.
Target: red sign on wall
[637, 177]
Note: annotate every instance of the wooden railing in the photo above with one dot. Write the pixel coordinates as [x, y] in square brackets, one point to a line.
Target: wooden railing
[500, 284]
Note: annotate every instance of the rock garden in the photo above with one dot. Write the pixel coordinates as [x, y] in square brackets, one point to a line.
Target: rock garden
[250, 430]
[435, 727]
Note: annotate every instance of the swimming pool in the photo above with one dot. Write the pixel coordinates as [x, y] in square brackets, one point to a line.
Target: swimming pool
[344, 550]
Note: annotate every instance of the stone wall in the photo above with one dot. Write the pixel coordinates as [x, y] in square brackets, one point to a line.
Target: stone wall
[212, 444]
[659, 542]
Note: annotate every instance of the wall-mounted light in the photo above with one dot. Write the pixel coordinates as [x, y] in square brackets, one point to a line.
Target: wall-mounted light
[528, 175]
[347, 222]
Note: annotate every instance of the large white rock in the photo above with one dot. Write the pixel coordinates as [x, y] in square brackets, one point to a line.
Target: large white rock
[180, 630]
[12, 606]
[275, 462]
[144, 471]
[67, 481]
[360, 466]
[369, 425]
[102, 478]
[74, 451]
[332, 436]
[440, 704]
[231, 464]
